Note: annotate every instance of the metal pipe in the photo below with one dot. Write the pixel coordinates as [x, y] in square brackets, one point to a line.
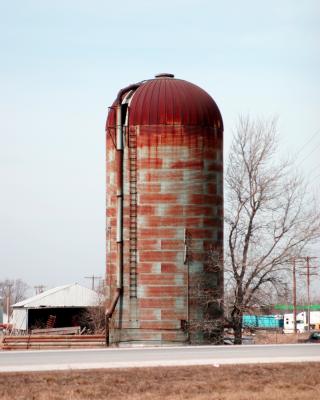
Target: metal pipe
[119, 232]
[119, 128]
[119, 265]
[109, 314]
[186, 262]
[119, 183]
[134, 86]
[113, 304]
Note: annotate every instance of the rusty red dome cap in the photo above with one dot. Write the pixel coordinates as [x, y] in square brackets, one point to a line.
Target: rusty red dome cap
[168, 101]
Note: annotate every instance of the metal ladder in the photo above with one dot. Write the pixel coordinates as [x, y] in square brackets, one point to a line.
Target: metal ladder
[133, 212]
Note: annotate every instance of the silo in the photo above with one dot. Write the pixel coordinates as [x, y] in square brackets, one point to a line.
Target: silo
[164, 199]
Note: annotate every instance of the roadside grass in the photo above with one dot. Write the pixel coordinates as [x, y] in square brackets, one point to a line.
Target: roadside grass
[299, 381]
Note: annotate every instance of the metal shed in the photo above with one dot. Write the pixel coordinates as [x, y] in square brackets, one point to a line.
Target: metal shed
[64, 301]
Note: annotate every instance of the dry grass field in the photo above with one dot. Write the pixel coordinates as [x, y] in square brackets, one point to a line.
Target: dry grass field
[263, 337]
[245, 382]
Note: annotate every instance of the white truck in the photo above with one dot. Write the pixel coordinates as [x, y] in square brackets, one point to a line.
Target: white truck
[302, 321]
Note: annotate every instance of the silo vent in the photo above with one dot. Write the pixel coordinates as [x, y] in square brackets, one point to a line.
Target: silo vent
[164, 75]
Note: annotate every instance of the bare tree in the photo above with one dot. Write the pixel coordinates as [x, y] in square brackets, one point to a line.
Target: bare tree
[269, 218]
[206, 294]
[93, 318]
[12, 291]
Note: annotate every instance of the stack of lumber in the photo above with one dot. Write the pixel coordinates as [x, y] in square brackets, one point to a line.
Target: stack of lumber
[45, 342]
[74, 330]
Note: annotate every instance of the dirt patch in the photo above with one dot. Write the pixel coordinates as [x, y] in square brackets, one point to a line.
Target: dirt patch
[245, 382]
[263, 337]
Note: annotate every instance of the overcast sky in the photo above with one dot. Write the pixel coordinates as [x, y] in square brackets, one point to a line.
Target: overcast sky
[62, 64]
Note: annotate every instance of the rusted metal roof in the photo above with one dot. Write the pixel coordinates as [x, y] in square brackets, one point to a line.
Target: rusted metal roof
[169, 101]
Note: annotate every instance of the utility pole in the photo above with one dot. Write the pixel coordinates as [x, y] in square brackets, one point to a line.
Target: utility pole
[308, 274]
[294, 287]
[308, 290]
[8, 301]
[294, 295]
[39, 289]
[93, 278]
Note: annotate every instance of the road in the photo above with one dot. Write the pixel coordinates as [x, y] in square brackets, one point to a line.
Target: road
[157, 356]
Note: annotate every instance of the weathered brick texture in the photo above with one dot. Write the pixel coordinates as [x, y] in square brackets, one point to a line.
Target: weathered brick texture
[179, 220]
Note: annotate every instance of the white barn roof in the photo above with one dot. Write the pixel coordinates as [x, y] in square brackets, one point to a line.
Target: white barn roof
[72, 295]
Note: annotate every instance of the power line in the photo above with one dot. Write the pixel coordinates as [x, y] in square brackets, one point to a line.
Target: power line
[315, 169]
[93, 278]
[309, 154]
[315, 178]
[306, 144]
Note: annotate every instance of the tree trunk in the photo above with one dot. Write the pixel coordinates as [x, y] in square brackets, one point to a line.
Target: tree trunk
[236, 316]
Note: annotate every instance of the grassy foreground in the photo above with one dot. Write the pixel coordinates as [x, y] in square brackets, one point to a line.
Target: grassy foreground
[241, 382]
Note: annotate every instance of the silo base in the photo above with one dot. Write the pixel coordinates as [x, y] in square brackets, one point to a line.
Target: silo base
[147, 336]
[162, 337]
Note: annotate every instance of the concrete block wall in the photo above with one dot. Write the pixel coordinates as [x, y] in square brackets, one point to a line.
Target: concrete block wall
[179, 221]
